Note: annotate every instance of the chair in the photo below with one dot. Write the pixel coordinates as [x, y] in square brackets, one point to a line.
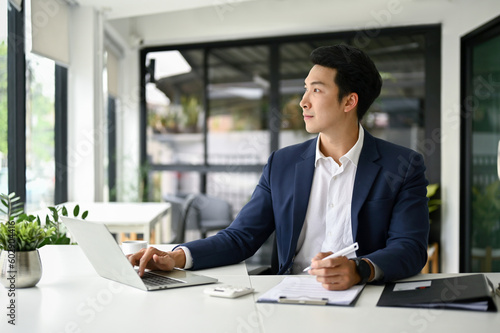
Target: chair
[486, 256]
[212, 214]
[432, 265]
[180, 212]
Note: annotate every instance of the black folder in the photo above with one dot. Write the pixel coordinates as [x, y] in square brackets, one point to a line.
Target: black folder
[464, 292]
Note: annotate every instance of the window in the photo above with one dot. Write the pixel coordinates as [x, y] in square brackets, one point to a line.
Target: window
[175, 119]
[33, 83]
[238, 97]
[40, 125]
[4, 188]
[212, 123]
[174, 101]
[40, 120]
[480, 200]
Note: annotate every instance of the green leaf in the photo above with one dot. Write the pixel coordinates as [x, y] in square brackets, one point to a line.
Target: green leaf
[432, 189]
[85, 214]
[64, 211]
[76, 211]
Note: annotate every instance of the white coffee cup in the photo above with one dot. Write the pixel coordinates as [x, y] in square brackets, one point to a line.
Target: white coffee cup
[130, 247]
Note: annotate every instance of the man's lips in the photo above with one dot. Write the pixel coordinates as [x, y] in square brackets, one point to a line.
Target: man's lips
[306, 116]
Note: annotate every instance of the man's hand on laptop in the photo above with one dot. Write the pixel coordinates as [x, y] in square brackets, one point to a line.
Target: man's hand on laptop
[154, 259]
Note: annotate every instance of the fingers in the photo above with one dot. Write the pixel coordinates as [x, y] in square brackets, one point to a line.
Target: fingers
[146, 257]
[321, 255]
[335, 273]
[151, 258]
[163, 262]
[135, 257]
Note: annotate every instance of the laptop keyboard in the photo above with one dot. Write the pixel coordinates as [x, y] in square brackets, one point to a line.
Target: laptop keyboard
[154, 280]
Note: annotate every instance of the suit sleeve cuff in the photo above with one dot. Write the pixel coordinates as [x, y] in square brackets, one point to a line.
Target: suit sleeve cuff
[189, 257]
[378, 274]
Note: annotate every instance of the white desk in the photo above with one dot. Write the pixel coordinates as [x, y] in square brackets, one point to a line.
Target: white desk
[365, 316]
[71, 297]
[126, 217]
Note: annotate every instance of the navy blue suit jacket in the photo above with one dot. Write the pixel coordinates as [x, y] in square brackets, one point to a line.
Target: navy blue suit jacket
[389, 213]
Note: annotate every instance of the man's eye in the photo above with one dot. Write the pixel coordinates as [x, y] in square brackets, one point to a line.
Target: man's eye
[316, 90]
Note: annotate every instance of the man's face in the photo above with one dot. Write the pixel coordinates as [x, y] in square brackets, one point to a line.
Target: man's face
[321, 108]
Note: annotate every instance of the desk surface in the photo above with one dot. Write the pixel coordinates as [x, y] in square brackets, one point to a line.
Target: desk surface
[71, 297]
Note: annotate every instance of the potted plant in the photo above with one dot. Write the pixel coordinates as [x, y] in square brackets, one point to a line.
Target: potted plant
[21, 235]
[60, 235]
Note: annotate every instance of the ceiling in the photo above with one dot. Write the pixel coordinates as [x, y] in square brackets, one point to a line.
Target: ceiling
[116, 9]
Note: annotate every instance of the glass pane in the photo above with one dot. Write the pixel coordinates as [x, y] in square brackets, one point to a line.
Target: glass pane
[174, 101]
[398, 114]
[40, 119]
[238, 102]
[4, 184]
[485, 216]
[236, 188]
[165, 184]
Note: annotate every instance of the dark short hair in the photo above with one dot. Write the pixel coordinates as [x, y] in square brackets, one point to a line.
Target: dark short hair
[356, 72]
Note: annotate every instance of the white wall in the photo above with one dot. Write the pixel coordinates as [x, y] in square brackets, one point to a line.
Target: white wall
[227, 20]
[82, 142]
[87, 127]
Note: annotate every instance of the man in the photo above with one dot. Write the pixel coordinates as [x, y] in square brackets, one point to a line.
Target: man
[324, 194]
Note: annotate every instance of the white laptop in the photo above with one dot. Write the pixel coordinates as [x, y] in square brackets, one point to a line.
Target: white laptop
[106, 256]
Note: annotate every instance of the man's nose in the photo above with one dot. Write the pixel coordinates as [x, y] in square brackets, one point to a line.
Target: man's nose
[304, 103]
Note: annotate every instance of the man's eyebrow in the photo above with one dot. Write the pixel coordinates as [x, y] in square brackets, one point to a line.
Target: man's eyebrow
[315, 83]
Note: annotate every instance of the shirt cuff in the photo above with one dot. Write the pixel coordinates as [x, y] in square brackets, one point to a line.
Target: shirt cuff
[189, 257]
[378, 274]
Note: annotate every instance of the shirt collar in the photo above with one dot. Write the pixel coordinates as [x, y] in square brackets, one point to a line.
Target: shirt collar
[352, 155]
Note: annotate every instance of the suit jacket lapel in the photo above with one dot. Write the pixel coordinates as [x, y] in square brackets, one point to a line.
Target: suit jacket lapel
[366, 174]
[304, 172]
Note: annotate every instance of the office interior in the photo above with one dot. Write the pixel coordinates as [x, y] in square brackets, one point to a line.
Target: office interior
[161, 98]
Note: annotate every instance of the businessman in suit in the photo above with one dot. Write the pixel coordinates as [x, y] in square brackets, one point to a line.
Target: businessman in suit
[323, 194]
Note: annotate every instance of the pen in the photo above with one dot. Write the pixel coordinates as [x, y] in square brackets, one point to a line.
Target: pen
[340, 253]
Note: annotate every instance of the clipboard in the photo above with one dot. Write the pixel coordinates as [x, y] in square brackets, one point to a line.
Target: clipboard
[469, 292]
[305, 290]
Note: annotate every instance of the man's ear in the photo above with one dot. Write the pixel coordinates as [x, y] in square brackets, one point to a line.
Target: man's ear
[351, 102]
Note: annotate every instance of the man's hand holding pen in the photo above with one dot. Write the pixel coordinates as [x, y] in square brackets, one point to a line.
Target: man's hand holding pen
[335, 273]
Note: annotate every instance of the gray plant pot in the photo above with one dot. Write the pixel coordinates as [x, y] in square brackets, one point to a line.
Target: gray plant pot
[20, 269]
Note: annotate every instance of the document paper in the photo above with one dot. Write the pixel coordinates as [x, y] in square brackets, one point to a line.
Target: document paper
[306, 290]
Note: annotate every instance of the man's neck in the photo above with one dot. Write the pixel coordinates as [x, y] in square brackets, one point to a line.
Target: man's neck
[338, 143]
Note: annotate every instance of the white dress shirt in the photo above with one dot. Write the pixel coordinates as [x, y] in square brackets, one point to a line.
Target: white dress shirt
[327, 226]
